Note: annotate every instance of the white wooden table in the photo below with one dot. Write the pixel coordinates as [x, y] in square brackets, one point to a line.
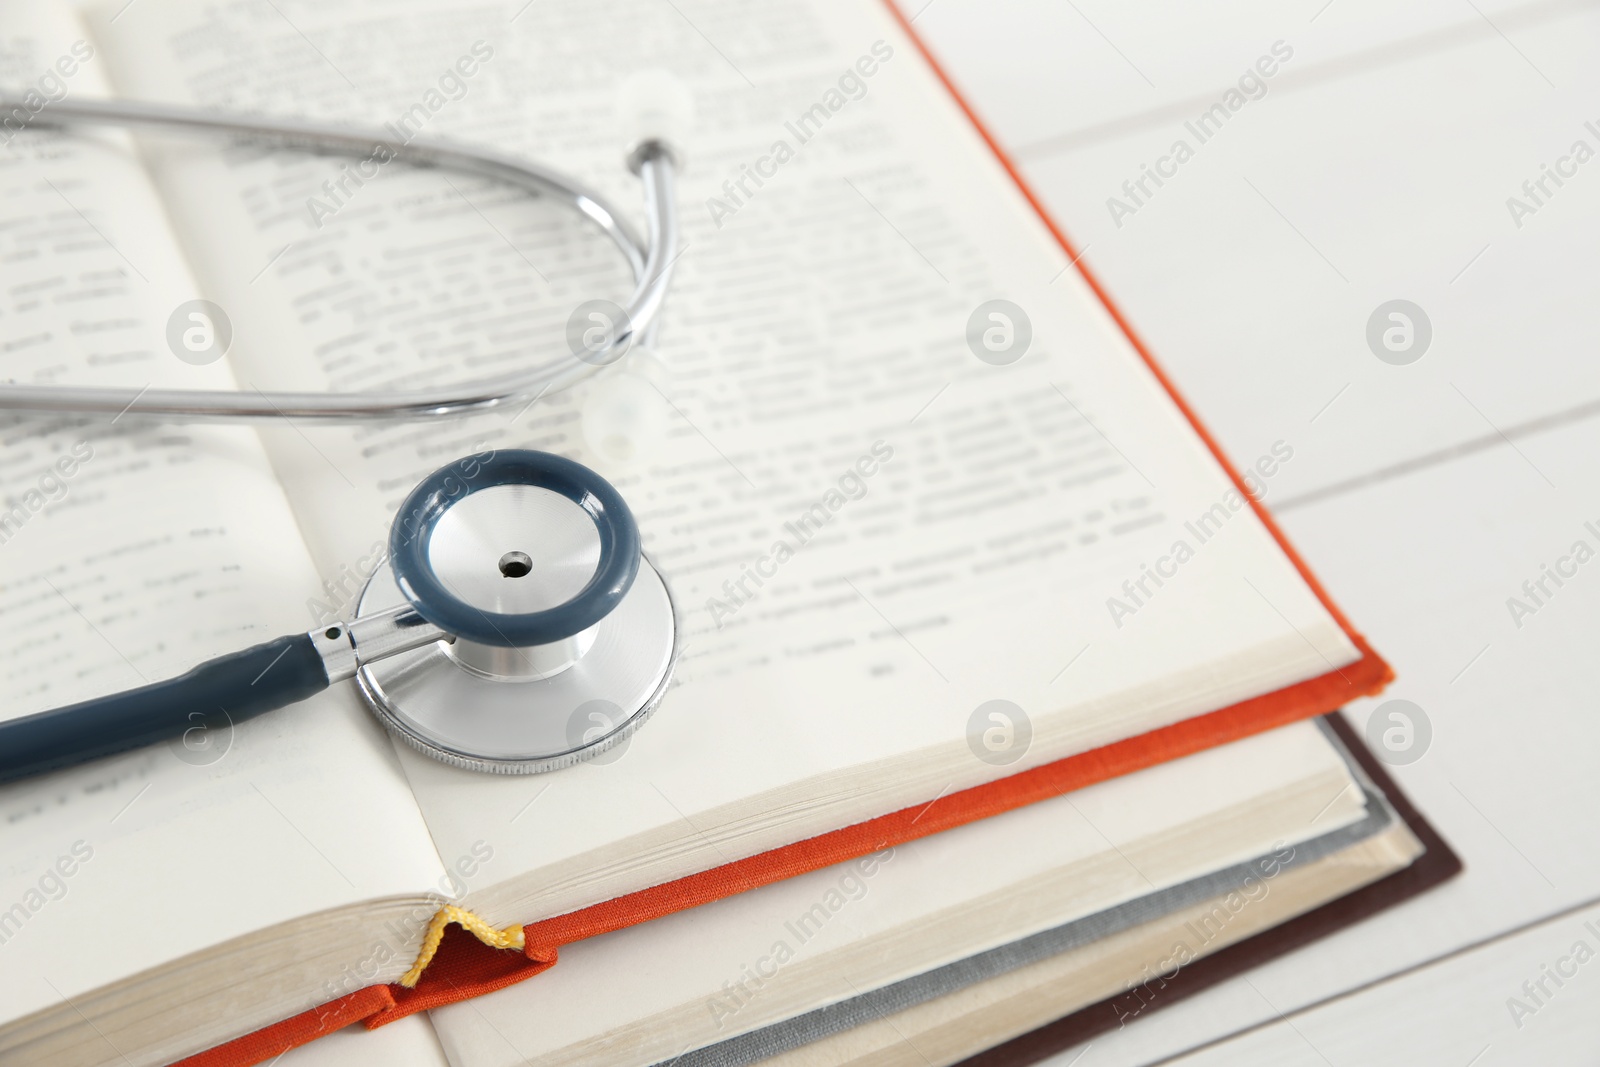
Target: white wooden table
[1376, 165]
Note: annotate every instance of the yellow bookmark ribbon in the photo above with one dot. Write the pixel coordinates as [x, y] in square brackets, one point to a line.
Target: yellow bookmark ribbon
[510, 937]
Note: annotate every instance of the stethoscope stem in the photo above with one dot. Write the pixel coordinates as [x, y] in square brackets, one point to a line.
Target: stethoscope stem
[345, 646]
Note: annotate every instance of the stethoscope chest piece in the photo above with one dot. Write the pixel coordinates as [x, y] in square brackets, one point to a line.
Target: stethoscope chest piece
[565, 636]
[516, 627]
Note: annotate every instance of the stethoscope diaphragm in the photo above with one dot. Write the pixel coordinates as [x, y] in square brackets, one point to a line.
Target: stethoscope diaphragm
[565, 635]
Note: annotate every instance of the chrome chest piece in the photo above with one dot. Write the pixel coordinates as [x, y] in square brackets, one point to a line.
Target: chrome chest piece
[565, 636]
[515, 628]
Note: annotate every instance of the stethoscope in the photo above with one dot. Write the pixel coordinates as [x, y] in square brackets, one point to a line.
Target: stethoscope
[516, 625]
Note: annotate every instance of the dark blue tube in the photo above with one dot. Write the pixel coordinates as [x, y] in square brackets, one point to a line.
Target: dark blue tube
[239, 685]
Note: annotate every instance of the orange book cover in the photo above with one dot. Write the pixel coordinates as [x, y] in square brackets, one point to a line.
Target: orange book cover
[465, 967]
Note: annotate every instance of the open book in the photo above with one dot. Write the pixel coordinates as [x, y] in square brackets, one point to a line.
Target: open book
[1052, 532]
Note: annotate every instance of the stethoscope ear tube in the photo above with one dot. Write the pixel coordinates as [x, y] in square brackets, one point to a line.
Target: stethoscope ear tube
[239, 685]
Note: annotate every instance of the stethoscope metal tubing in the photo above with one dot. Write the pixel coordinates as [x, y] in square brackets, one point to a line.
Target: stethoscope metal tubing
[651, 261]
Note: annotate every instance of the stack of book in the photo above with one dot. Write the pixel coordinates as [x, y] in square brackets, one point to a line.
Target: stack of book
[998, 714]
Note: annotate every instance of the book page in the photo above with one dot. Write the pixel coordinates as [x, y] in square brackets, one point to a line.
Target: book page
[128, 553]
[981, 529]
